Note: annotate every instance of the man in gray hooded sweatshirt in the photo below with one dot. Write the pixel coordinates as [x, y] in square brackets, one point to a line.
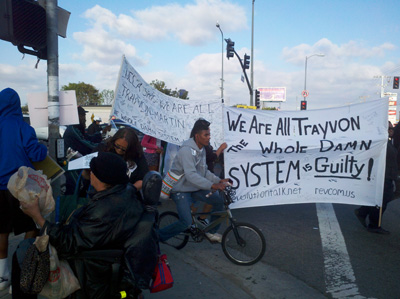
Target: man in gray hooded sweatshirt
[195, 184]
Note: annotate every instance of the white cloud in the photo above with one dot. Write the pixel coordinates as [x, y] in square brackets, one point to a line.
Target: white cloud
[191, 24]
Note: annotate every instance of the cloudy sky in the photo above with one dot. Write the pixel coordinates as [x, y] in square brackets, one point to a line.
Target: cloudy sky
[178, 42]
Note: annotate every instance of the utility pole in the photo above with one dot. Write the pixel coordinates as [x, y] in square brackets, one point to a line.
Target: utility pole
[382, 84]
[53, 83]
[222, 62]
[252, 55]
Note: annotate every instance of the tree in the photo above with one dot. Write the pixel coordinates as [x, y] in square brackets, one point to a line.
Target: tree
[107, 96]
[162, 87]
[25, 109]
[86, 94]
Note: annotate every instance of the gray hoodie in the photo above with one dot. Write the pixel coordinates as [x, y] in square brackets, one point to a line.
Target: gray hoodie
[191, 161]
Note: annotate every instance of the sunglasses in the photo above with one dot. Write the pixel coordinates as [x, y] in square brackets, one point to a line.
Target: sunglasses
[119, 147]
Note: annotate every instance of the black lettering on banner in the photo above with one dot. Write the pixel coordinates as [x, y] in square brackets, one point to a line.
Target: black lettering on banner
[347, 168]
[334, 192]
[251, 175]
[232, 126]
[131, 78]
[283, 127]
[275, 149]
[343, 125]
[259, 128]
[327, 145]
[235, 148]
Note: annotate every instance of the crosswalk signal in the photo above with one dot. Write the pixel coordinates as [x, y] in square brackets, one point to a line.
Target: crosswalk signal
[257, 101]
[396, 83]
[246, 62]
[303, 105]
[23, 23]
[230, 50]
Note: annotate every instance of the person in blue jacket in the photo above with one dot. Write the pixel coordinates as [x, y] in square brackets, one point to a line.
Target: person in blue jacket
[18, 147]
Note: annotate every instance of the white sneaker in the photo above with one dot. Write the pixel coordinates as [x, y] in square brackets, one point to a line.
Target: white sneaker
[4, 283]
[214, 237]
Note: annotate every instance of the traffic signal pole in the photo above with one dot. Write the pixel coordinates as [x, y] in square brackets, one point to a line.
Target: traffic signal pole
[53, 83]
[245, 75]
[230, 50]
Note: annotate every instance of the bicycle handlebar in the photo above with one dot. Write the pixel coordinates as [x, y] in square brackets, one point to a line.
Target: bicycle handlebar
[228, 192]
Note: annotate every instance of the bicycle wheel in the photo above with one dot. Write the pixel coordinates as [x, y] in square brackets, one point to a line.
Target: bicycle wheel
[179, 241]
[246, 247]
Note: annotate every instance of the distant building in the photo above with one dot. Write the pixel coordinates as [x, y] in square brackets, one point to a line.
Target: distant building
[102, 111]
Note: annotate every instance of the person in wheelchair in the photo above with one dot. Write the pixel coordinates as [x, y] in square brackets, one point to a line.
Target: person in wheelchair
[113, 219]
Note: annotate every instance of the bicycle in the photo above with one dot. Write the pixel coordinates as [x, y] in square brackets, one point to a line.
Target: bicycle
[242, 243]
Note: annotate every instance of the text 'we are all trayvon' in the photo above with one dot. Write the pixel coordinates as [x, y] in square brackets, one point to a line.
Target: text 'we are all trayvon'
[281, 168]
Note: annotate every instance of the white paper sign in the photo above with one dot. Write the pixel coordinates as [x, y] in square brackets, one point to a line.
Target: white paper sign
[82, 163]
[38, 108]
[333, 155]
[38, 114]
[68, 108]
[161, 116]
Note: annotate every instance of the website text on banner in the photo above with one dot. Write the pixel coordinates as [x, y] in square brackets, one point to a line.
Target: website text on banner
[158, 115]
[285, 157]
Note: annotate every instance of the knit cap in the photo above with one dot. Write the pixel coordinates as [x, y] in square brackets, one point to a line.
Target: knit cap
[109, 168]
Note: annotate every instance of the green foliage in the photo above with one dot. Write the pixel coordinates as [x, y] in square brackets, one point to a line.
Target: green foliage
[86, 94]
[107, 96]
[269, 108]
[162, 87]
[25, 109]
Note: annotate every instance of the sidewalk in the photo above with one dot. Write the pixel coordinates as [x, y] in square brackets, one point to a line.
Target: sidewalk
[201, 270]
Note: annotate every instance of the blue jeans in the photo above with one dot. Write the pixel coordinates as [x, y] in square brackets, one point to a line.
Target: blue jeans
[183, 201]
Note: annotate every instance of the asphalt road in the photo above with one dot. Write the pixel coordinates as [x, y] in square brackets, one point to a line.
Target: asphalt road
[299, 262]
[294, 246]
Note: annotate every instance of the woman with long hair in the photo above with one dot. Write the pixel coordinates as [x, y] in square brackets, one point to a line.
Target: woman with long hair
[126, 144]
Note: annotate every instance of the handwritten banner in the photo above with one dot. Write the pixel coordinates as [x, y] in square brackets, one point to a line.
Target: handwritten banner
[285, 157]
[161, 116]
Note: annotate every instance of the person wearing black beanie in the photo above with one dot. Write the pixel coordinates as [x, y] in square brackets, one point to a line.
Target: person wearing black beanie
[112, 219]
[109, 168]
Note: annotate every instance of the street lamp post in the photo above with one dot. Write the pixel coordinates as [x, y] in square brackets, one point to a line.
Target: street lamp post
[252, 54]
[305, 71]
[222, 62]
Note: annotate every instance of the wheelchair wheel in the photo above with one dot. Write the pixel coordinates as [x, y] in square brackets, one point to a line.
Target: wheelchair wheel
[179, 241]
[243, 244]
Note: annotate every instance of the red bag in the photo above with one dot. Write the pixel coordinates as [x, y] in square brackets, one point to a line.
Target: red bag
[162, 277]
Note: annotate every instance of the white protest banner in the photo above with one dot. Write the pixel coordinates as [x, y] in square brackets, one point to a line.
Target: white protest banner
[161, 116]
[285, 157]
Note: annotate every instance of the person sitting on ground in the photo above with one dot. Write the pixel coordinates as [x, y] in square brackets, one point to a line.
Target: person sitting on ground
[388, 191]
[196, 183]
[108, 221]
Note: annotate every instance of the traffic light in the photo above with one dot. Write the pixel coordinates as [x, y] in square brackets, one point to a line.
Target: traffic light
[303, 105]
[257, 101]
[246, 62]
[230, 50]
[396, 83]
[23, 23]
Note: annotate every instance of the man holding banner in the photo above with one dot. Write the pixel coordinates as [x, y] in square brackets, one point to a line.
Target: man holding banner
[388, 191]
